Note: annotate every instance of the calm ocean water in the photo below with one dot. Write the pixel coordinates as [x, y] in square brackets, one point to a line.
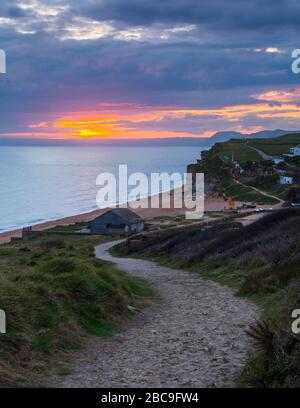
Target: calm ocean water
[40, 184]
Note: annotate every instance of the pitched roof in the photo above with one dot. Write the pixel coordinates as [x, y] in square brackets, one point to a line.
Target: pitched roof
[126, 214]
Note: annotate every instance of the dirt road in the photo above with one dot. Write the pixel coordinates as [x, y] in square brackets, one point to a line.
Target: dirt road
[193, 337]
[260, 191]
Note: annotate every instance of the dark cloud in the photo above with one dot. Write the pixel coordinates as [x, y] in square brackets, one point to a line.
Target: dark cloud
[218, 14]
[221, 60]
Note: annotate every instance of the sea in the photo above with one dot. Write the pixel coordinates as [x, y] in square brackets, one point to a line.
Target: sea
[39, 184]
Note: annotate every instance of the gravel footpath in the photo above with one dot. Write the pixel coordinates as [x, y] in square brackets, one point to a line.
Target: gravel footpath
[193, 337]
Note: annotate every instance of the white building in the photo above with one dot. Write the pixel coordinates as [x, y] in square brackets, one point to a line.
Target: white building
[295, 151]
[286, 180]
[277, 160]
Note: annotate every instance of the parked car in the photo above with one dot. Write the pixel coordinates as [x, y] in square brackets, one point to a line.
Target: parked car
[260, 210]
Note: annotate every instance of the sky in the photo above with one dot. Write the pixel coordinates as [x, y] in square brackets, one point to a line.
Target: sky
[147, 69]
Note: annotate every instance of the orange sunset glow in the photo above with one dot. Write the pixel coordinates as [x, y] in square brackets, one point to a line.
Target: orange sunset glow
[130, 121]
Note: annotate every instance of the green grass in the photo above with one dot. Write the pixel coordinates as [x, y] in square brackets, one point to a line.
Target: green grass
[55, 293]
[217, 164]
[277, 190]
[68, 228]
[276, 300]
[238, 149]
[63, 371]
[212, 165]
[260, 262]
[276, 146]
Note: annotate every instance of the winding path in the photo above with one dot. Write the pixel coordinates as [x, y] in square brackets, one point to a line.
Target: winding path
[263, 155]
[194, 336]
[260, 191]
[266, 156]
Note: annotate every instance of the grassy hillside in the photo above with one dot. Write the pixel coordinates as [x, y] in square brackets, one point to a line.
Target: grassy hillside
[249, 185]
[261, 261]
[55, 292]
[216, 164]
[276, 146]
[237, 149]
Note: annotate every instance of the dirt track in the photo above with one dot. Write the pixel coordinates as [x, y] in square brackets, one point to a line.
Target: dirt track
[193, 337]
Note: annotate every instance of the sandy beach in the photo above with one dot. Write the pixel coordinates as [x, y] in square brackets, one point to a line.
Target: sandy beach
[211, 204]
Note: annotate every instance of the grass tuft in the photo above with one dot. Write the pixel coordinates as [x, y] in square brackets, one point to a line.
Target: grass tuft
[54, 294]
[261, 261]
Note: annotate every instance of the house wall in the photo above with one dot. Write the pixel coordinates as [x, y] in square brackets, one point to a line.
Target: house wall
[110, 223]
[286, 180]
[99, 225]
[137, 227]
[295, 151]
[116, 230]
